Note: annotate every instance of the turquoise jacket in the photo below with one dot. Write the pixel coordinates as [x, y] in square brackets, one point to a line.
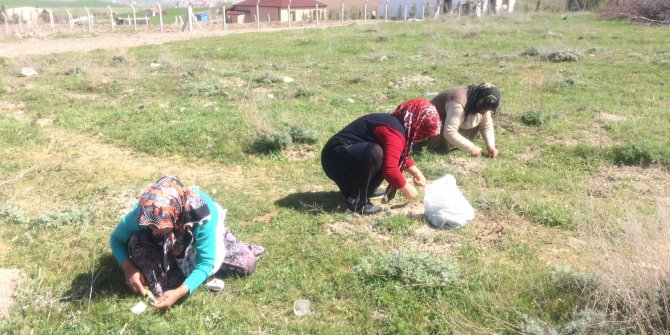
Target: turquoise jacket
[205, 242]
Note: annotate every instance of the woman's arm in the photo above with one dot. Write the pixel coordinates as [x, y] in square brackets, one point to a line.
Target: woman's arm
[452, 122]
[488, 135]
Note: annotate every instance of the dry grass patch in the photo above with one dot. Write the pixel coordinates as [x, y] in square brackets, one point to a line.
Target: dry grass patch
[651, 181]
[403, 83]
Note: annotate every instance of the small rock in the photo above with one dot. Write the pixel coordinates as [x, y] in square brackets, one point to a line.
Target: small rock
[154, 65]
[28, 71]
[271, 96]
[350, 100]
[288, 80]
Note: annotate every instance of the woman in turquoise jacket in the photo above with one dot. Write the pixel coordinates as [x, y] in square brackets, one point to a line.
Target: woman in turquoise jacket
[174, 239]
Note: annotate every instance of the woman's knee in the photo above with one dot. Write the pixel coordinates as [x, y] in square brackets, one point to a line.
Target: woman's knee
[375, 155]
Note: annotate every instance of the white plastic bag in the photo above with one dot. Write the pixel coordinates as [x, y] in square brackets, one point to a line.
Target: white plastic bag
[445, 206]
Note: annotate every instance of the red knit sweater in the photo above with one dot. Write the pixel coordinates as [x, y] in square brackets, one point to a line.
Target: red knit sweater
[392, 143]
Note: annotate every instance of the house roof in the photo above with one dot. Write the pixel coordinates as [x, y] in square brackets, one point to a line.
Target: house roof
[283, 3]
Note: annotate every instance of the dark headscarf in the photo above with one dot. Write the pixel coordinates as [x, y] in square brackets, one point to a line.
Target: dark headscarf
[482, 95]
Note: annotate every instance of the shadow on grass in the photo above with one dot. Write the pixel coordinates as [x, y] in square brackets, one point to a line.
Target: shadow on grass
[314, 202]
[104, 280]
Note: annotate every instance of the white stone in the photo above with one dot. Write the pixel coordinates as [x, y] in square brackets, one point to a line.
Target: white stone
[154, 65]
[288, 80]
[28, 71]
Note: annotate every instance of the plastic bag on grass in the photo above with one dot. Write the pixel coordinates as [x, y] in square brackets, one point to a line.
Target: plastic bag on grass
[445, 206]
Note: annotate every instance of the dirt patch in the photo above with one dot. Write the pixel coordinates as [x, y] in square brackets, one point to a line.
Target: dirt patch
[9, 283]
[411, 81]
[266, 217]
[530, 153]
[609, 117]
[300, 152]
[465, 165]
[233, 82]
[650, 181]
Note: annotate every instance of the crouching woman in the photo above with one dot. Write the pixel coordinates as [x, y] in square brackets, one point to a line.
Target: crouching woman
[174, 239]
[375, 147]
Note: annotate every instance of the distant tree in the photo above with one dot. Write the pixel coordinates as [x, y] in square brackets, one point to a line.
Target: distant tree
[412, 11]
[401, 12]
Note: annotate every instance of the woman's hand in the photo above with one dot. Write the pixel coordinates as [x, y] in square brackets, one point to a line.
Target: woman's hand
[134, 278]
[493, 152]
[418, 178]
[170, 297]
[476, 151]
[409, 191]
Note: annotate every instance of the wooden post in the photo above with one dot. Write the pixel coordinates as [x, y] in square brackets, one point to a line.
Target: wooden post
[258, 14]
[342, 12]
[69, 19]
[189, 12]
[224, 16]
[405, 12]
[88, 18]
[4, 18]
[51, 20]
[290, 18]
[111, 17]
[317, 12]
[386, 11]
[134, 17]
[160, 15]
[365, 17]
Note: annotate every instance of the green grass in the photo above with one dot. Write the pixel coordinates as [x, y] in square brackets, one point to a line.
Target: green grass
[119, 124]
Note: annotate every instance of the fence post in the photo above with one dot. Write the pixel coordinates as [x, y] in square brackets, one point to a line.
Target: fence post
[290, 18]
[4, 18]
[134, 17]
[365, 8]
[386, 11]
[88, 19]
[51, 20]
[342, 13]
[224, 16]
[317, 13]
[69, 19]
[189, 12]
[111, 17]
[258, 15]
[160, 15]
[405, 12]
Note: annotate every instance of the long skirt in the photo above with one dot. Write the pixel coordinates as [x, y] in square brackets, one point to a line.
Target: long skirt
[355, 168]
[146, 253]
[439, 144]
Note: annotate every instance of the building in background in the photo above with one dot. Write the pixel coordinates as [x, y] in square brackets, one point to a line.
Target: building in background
[277, 10]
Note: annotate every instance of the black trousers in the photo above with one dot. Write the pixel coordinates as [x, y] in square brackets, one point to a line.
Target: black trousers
[355, 168]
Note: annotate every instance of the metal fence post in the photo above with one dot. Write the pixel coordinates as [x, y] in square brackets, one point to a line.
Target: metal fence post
[258, 14]
[4, 18]
[134, 17]
[317, 13]
[224, 17]
[365, 8]
[289, 14]
[342, 14]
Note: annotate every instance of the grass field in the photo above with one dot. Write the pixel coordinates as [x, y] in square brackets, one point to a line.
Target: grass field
[571, 233]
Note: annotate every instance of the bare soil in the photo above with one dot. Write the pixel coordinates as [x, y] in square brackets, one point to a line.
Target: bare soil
[44, 45]
[9, 282]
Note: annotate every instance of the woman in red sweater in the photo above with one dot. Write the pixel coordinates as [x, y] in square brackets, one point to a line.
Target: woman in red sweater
[376, 147]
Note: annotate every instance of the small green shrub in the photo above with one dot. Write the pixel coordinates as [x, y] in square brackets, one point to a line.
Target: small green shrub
[75, 71]
[574, 282]
[420, 270]
[210, 88]
[396, 224]
[303, 93]
[62, 218]
[530, 52]
[300, 135]
[382, 38]
[564, 56]
[118, 60]
[595, 50]
[587, 321]
[267, 78]
[640, 153]
[272, 142]
[536, 118]
[3, 63]
[13, 215]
